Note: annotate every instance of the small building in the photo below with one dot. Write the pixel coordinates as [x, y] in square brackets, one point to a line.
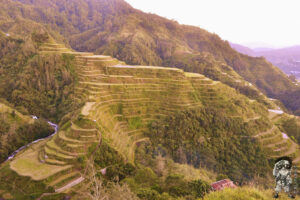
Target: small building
[222, 184]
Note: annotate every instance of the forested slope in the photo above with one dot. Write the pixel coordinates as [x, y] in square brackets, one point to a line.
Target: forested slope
[36, 84]
[115, 28]
[17, 130]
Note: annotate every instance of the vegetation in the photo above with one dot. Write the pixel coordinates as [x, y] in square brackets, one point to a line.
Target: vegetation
[244, 193]
[291, 126]
[100, 26]
[207, 138]
[20, 187]
[213, 140]
[38, 84]
[107, 157]
[147, 185]
[15, 132]
[205, 63]
[143, 181]
[291, 100]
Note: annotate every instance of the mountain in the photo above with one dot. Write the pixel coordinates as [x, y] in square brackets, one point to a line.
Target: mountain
[115, 28]
[288, 53]
[287, 59]
[134, 122]
[243, 49]
[260, 49]
[136, 131]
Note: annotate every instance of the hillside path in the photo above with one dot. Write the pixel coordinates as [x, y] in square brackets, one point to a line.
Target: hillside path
[266, 132]
[71, 184]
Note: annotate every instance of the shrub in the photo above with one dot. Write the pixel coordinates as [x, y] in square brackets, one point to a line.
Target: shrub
[146, 177]
[148, 194]
[221, 177]
[39, 37]
[177, 186]
[199, 188]
[4, 126]
[223, 147]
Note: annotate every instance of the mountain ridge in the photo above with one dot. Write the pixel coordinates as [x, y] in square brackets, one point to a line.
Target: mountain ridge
[138, 38]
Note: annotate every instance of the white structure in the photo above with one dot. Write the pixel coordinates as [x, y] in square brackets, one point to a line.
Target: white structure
[276, 111]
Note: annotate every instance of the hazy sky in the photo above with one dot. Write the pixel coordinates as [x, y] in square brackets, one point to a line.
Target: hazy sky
[270, 22]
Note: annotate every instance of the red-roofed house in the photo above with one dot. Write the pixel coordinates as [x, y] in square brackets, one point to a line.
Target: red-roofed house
[220, 185]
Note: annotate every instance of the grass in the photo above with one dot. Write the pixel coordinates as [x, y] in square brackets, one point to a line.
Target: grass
[62, 178]
[188, 171]
[188, 74]
[84, 123]
[135, 123]
[19, 187]
[244, 193]
[7, 196]
[55, 153]
[86, 109]
[18, 116]
[70, 139]
[55, 162]
[28, 164]
[52, 145]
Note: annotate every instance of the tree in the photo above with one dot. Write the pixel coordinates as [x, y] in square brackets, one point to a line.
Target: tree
[97, 190]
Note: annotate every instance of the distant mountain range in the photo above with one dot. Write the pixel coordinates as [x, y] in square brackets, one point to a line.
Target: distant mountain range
[287, 59]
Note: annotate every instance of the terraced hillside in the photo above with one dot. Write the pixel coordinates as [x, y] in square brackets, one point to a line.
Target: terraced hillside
[120, 101]
[4, 109]
[280, 142]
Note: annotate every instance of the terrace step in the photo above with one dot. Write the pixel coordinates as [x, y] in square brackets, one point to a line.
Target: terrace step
[69, 185]
[63, 177]
[271, 140]
[53, 49]
[87, 132]
[292, 149]
[297, 160]
[56, 155]
[62, 136]
[266, 132]
[279, 144]
[53, 45]
[53, 146]
[89, 138]
[55, 162]
[70, 147]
